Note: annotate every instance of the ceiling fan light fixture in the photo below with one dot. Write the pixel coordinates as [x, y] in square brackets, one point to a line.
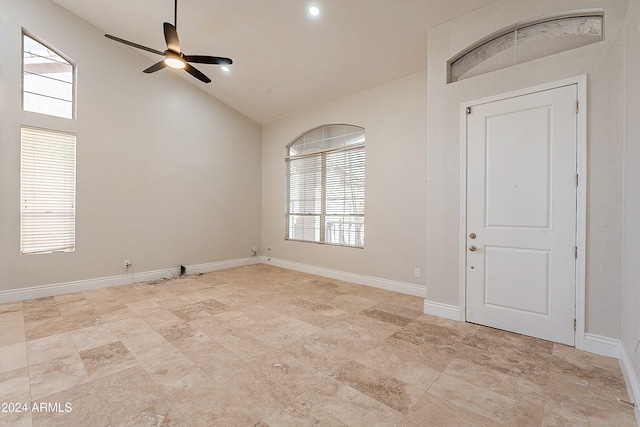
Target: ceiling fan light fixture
[314, 11]
[175, 62]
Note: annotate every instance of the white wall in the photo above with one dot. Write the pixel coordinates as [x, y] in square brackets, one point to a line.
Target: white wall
[630, 325]
[602, 62]
[393, 116]
[166, 175]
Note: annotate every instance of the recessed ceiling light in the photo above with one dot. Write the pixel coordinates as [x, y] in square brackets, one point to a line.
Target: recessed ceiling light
[225, 68]
[314, 11]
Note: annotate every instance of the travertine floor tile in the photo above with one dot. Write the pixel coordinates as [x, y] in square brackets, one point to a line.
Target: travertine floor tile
[13, 356]
[45, 327]
[75, 406]
[16, 419]
[107, 359]
[56, 375]
[12, 327]
[267, 347]
[93, 336]
[490, 379]
[501, 409]
[173, 372]
[210, 404]
[50, 347]
[354, 408]
[256, 387]
[11, 307]
[404, 361]
[39, 309]
[160, 414]
[301, 412]
[433, 410]
[213, 358]
[127, 393]
[14, 386]
[394, 393]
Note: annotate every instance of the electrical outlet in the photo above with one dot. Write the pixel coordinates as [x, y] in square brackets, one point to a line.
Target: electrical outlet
[254, 251]
[127, 263]
[416, 272]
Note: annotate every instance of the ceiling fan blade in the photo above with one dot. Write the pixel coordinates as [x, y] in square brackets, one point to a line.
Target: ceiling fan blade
[155, 67]
[132, 44]
[196, 73]
[203, 59]
[171, 37]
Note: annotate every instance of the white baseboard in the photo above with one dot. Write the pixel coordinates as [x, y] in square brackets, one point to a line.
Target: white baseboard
[603, 346]
[122, 279]
[442, 310]
[631, 378]
[389, 285]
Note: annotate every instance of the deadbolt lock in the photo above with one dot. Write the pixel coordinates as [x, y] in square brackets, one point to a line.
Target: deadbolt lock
[472, 236]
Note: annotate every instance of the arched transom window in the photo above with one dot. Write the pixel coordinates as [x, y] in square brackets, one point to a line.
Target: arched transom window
[325, 186]
[527, 41]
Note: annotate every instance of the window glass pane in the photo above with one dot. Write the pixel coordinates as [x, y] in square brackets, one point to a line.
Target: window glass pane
[47, 80]
[306, 228]
[305, 185]
[345, 182]
[515, 46]
[345, 231]
[326, 138]
[491, 56]
[534, 41]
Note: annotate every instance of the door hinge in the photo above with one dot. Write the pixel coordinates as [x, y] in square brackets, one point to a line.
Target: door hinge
[576, 254]
[577, 180]
[468, 110]
[577, 106]
[575, 325]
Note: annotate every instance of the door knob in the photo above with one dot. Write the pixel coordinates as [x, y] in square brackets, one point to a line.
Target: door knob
[473, 248]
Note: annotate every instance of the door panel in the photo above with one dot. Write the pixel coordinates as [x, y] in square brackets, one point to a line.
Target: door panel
[517, 169]
[503, 264]
[521, 206]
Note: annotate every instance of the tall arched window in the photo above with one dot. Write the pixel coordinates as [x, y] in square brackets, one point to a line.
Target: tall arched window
[325, 186]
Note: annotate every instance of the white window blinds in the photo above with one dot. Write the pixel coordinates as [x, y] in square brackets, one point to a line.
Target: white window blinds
[326, 186]
[48, 191]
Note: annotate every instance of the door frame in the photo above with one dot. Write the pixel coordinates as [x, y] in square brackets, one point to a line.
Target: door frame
[581, 193]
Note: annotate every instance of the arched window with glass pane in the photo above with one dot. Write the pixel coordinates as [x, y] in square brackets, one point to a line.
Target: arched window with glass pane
[527, 41]
[47, 80]
[325, 186]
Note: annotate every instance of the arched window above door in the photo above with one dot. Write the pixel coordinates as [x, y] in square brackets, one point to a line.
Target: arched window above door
[525, 42]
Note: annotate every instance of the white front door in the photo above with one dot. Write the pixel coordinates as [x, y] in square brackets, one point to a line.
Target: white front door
[521, 214]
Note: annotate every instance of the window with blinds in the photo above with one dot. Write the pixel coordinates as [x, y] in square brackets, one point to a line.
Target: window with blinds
[47, 80]
[325, 171]
[47, 191]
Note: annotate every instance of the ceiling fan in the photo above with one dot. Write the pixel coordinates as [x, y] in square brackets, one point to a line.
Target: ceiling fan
[173, 57]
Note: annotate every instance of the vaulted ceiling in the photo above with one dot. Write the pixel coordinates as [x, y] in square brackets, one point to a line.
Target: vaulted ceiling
[284, 59]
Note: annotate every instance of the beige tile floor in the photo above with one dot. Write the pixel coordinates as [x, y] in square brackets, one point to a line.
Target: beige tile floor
[264, 346]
